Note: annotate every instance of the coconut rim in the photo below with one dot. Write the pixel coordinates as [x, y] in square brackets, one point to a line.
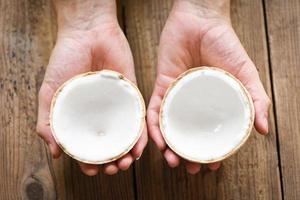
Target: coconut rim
[142, 124]
[249, 102]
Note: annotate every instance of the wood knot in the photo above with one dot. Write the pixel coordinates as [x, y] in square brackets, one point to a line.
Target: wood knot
[34, 189]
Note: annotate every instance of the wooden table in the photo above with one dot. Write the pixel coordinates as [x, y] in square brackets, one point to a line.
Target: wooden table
[265, 168]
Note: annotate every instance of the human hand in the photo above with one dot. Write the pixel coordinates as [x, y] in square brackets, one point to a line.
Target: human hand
[199, 33]
[89, 38]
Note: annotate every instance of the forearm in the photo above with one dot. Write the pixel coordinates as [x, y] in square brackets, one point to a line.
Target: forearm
[83, 14]
[205, 8]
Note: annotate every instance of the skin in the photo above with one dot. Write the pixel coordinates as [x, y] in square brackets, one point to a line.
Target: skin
[89, 38]
[199, 33]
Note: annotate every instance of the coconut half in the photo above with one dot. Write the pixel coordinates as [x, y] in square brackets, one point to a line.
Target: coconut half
[206, 115]
[97, 117]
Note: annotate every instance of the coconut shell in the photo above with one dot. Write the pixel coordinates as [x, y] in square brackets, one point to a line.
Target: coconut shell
[142, 124]
[234, 150]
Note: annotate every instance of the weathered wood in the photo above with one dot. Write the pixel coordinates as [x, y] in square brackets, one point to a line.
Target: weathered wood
[284, 40]
[250, 174]
[26, 38]
[27, 34]
[25, 44]
[144, 21]
[259, 163]
[73, 184]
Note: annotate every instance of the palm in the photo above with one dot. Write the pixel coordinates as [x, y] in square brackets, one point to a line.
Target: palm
[79, 52]
[187, 41]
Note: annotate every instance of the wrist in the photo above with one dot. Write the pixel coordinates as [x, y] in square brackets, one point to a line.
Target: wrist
[84, 15]
[206, 9]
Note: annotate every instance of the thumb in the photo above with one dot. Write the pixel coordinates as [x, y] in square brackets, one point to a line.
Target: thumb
[250, 78]
[43, 126]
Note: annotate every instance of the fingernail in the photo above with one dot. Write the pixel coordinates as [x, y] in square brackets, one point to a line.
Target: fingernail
[51, 148]
[138, 157]
[266, 126]
[91, 172]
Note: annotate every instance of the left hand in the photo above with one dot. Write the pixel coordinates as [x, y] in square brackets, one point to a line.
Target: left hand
[88, 40]
[197, 35]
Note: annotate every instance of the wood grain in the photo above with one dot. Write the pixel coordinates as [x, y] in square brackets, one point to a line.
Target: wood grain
[284, 40]
[27, 36]
[25, 44]
[73, 184]
[253, 172]
[144, 21]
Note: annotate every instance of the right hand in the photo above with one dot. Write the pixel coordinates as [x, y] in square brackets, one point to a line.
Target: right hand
[201, 35]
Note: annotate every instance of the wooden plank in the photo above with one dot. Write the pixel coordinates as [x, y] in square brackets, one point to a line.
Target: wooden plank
[25, 44]
[250, 174]
[263, 178]
[27, 172]
[144, 21]
[284, 40]
[73, 184]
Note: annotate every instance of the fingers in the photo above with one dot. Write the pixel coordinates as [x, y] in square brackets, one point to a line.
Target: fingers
[111, 168]
[43, 127]
[260, 99]
[172, 159]
[125, 162]
[262, 104]
[88, 169]
[192, 168]
[64, 63]
[249, 76]
[214, 166]
[153, 122]
[45, 133]
[234, 59]
[161, 85]
[139, 147]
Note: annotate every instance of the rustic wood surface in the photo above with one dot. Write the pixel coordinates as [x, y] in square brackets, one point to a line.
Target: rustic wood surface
[265, 168]
[284, 41]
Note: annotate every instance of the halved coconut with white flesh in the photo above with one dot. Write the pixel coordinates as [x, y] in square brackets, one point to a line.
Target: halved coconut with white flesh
[206, 115]
[97, 117]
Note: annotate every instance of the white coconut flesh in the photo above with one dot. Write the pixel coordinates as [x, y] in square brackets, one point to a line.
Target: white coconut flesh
[206, 115]
[97, 117]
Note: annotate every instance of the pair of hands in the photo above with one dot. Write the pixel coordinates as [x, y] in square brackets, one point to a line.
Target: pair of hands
[193, 36]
